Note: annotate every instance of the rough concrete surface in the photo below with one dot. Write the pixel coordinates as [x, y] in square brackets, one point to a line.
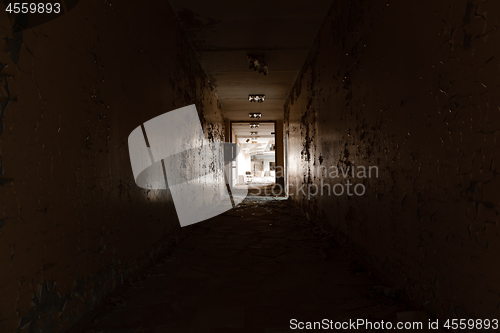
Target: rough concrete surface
[73, 224]
[413, 88]
[250, 270]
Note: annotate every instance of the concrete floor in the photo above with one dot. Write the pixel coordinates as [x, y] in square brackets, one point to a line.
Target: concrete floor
[252, 269]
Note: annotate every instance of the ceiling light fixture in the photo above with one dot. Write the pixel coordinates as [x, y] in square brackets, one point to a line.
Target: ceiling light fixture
[255, 115]
[256, 98]
[254, 133]
[257, 65]
[254, 125]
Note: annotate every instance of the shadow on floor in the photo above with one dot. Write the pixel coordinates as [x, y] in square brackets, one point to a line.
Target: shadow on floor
[251, 269]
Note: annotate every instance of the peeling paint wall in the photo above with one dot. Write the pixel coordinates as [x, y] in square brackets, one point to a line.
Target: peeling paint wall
[413, 88]
[73, 224]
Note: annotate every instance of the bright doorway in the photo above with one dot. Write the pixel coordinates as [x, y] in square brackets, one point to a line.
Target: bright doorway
[256, 161]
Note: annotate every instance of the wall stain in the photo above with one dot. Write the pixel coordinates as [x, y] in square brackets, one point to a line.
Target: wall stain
[380, 89]
[71, 202]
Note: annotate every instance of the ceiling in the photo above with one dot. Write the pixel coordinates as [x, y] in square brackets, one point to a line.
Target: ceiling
[278, 32]
[243, 131]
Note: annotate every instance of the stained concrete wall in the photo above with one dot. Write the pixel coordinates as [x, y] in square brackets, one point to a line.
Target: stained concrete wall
[73, 223]
[280, 154]
[413, 88]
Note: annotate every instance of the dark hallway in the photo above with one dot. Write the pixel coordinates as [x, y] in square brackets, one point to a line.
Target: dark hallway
[219, 166]
[249, 270]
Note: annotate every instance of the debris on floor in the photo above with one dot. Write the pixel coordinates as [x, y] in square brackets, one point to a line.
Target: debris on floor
[251, 269]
